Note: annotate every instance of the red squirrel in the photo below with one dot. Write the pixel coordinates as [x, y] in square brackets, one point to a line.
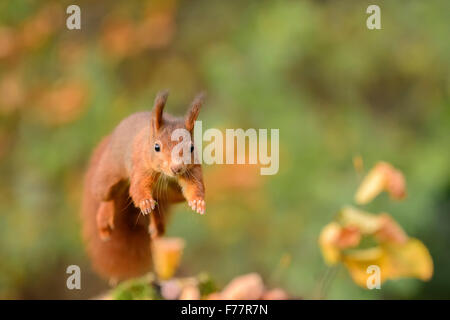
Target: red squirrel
[130, 184]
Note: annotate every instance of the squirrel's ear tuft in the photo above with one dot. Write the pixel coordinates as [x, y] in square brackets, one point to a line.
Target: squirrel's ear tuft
[158, 107]
[194, 110]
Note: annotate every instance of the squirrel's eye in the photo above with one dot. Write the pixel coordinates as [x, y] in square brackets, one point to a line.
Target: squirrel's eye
[192, 148]
[157, 147]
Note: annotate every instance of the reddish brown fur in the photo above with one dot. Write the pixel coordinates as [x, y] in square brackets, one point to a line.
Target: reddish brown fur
[124, 177]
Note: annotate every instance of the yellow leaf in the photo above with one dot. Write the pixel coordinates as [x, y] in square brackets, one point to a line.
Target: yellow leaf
[349, 237]
[370, 187]
[412, 260]
[357, 262]
[327, 241]
[166, 256]
[409, 260]
[383, 177]
[366, 222]
[390, 231]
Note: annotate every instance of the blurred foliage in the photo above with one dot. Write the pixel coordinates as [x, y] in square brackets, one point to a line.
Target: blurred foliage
[148, 288]
[311, 68]
[135, 289]
[364, 241]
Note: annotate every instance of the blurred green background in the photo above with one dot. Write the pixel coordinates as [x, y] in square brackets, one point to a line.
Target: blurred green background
[335, 90]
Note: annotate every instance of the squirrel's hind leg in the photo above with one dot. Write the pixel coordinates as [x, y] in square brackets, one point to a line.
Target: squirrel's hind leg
[105, 219]
[157, 223]
[106, 185]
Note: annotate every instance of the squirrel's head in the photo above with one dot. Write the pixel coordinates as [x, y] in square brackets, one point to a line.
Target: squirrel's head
[171, 139]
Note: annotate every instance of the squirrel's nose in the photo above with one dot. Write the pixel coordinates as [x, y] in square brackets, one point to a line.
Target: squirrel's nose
[176, 169]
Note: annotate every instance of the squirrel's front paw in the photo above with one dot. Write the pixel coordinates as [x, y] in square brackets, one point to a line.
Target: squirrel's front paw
[147, 205]
[197, 205]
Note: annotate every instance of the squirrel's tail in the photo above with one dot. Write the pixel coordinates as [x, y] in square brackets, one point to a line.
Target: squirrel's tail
[127, 252]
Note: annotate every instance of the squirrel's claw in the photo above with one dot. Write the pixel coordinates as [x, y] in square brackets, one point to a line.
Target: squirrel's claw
[197, 205]
[147, 205]
[193, 205]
